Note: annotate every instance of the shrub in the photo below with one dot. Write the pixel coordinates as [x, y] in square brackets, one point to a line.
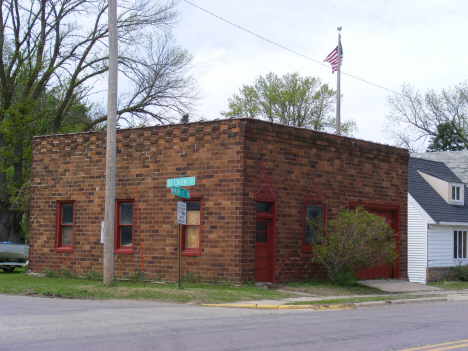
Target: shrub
[460, 272]
[191, 277]
[62, 273]
[354, 240]
[51, 274]
[136, 277]
[93, 275]
[66, 273]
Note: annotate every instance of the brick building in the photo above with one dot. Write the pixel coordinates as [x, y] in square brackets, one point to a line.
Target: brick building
[256, 182]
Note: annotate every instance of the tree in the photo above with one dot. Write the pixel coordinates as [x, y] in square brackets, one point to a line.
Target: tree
[355, 240]
[447, 139]
[414, 118]
[292, 100]
[54, 52]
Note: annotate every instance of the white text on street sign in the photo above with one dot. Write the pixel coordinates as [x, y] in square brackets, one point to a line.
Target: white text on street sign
[178, 182]
[180, 192]
[181, 212]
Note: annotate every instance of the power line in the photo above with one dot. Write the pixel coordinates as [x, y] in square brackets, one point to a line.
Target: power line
[285, 48]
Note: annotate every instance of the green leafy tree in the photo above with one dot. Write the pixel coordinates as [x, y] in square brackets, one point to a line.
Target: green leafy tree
[414, 118]
[291, 100]
[53, 54]
[354, 240]
[447, 139]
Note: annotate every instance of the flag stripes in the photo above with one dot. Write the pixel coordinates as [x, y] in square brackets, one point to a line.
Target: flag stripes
[332, 59]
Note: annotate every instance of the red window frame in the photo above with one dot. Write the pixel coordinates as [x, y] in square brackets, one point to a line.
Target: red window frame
[306, 248]
[192, 251]
[118, 248]
[59, 226]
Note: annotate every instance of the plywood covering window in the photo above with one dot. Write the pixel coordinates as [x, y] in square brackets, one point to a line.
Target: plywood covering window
[191, 232]
[123, 236]
[459, 244]
[65, 226]
[313, 221]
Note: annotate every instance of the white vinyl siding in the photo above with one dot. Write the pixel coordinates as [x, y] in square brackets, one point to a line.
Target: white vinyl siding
[440, 246]
[417, 245]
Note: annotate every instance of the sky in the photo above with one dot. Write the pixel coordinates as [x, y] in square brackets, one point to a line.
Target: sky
[386, 43]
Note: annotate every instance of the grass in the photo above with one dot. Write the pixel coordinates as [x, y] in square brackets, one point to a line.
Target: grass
[67, 285]
[450, 285]
[21, 284]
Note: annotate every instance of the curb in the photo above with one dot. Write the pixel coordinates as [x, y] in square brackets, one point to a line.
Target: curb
[401, 302]
[286, 307]
[342, 306]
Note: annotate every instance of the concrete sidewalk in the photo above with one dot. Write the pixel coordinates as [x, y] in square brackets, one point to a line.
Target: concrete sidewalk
[391, 288]
[398, 286]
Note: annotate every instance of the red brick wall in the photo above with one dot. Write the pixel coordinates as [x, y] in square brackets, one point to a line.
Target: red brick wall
[307, 166]
[230, 159]
[71, 167]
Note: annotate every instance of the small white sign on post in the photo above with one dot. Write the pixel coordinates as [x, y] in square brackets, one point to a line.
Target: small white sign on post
[181, 212]
[102, 232]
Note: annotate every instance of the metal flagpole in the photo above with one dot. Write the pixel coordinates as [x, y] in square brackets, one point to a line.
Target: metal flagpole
[338, 92]
[109, 212]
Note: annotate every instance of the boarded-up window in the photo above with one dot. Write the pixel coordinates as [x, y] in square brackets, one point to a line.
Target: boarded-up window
[191, 232]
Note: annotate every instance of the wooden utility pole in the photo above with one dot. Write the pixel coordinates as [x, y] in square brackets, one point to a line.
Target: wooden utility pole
[338, 90]
[109, 215]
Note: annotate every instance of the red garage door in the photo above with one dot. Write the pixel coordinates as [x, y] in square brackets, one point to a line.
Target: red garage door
[384, 271]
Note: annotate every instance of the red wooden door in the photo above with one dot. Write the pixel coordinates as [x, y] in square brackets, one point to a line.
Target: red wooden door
[384, 271]
[263, 251]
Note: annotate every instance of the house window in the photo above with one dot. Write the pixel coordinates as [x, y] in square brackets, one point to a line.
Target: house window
[123, 236]
[65, 228]
[313, 220]
[459, 244]
[456, 194]
[191, 232]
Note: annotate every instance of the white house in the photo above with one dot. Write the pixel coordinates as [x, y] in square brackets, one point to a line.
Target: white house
[437, 220]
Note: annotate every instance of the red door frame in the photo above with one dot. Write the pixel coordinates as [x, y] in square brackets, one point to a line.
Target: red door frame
[396, 225]
[271, 216]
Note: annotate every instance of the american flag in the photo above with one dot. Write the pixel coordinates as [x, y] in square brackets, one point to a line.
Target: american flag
[332, 58]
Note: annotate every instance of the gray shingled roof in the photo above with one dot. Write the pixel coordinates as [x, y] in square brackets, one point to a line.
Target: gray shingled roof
[457, 161]
[427, 197]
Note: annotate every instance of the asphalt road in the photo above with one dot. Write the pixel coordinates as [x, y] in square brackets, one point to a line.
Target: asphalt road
[31, 323]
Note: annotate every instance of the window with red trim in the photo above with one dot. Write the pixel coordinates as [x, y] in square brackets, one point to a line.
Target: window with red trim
[65, 226]
[123, 236]
[191, 232]
[313, 221]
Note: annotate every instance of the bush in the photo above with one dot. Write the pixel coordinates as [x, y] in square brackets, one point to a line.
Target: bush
[460, 272]
[137, 277]
[62, 273]
[51, 274]
[93, 275]
[191, 277]
[343, 279]
[354, 240]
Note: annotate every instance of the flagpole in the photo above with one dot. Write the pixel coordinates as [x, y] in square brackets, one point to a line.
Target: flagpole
[338, 93]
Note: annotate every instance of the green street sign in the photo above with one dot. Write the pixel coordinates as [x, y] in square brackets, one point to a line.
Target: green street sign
[178, 182]
[180, 192]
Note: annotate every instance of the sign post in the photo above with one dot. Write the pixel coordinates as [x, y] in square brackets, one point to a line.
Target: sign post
[175, 184]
